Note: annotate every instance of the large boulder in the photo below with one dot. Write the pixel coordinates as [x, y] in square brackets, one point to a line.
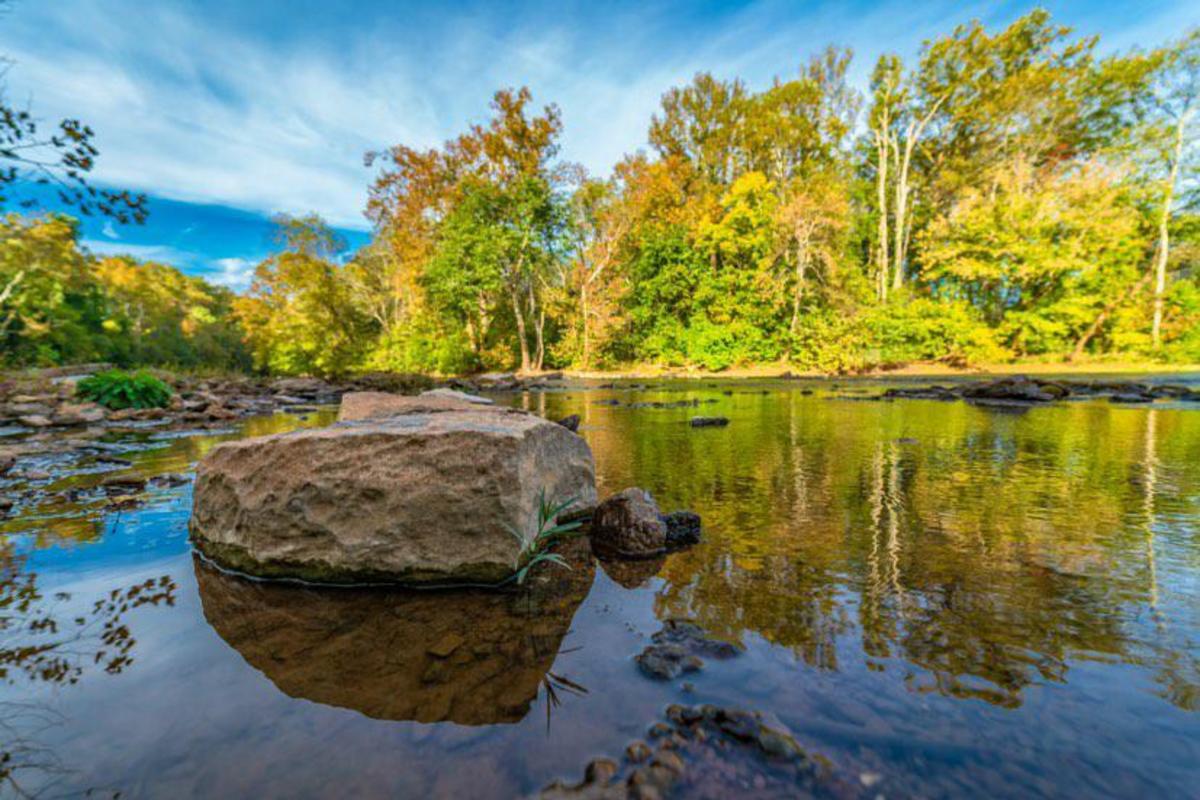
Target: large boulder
[423, 496]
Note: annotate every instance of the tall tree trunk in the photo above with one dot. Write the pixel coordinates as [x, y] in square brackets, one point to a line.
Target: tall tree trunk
[902, 209]
[585, 332]
[801, 279]
[881, 177]
[9, 291]
[538, 316]
[1164, 236]
[520, 318]
[539, 329]
[912, 135]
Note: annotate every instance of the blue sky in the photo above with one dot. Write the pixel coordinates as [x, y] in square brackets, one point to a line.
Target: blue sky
[226, 111]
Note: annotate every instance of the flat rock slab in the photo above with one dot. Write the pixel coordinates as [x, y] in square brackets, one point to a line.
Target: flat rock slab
[421, 497]
[378, 405]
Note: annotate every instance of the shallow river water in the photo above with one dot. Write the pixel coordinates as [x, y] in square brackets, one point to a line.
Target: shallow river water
[939, 600]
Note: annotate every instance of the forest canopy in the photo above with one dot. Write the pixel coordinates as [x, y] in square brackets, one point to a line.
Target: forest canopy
[1008, 194]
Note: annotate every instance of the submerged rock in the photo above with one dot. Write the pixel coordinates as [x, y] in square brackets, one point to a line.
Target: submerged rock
[709, 422]
[680, 647]
[1130, 397]
[707, 751]
[667, 661]
[427, 496]
[1017, 388]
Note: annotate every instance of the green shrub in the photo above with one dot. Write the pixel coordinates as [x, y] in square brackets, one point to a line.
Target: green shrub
[118, 390]
[927, 329]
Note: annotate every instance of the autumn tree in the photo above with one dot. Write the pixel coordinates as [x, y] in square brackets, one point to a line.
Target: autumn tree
[298, 314]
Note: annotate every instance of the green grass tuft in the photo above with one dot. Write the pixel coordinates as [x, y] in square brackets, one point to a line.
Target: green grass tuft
[534, 550]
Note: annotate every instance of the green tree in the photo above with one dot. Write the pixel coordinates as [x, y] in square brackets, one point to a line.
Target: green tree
[1038, 256]
[298, 315]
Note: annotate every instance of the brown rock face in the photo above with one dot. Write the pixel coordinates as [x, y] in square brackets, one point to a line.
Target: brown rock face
[415, 498]
[628, 524]
[473, 657]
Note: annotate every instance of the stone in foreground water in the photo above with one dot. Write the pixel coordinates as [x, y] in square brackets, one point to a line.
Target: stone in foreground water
[425, 497]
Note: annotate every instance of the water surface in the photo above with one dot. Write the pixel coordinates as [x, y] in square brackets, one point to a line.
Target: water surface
[939, 599]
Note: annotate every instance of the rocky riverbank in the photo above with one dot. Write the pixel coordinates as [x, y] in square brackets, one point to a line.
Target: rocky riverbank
[1021, 390]
[47, 399]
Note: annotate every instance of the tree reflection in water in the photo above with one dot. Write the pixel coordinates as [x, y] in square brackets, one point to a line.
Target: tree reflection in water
[979, 553]
[44, 641]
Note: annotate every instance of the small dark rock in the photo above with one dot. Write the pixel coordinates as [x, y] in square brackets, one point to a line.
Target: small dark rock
[638, 751]
[691, 636]
[1128, 397]
[169, 479]
[683, 528]
[680, 647]
[628, 524]
[571, 423]
[667, 661]
[128, 482]
[709, 422]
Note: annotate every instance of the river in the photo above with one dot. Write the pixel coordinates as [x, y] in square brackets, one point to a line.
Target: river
[936, 599]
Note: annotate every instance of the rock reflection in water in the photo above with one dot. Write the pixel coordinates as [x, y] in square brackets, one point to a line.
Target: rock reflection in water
[632, 573]
[474, 657]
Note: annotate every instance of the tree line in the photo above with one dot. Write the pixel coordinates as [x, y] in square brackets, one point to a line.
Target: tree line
[1008, 194]
[62, 305]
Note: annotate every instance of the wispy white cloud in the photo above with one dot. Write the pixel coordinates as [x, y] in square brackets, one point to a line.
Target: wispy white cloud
[268, 110]
[232, 273]
[110, 230]
[161, 253]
